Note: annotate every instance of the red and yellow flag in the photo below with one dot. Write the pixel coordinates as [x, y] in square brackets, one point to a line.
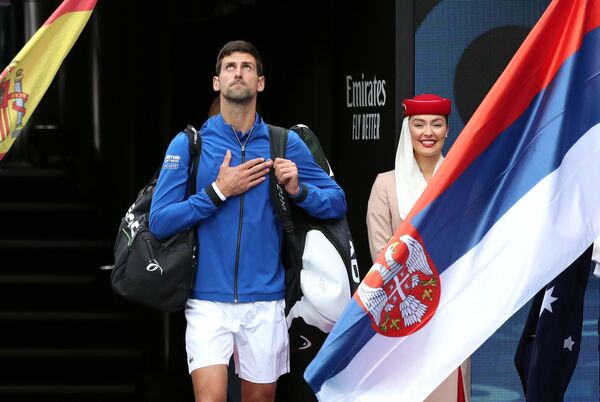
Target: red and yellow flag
[29, 74]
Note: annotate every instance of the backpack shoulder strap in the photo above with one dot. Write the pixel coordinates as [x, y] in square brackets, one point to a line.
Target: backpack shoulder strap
[195, 153]
[278, 137]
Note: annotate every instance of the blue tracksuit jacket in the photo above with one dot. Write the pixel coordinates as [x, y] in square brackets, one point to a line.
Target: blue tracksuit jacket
[239, 240]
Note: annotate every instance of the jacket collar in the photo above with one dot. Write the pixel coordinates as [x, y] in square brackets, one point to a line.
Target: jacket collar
[259, 126]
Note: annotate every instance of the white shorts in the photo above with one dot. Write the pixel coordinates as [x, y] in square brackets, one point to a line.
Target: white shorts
[256, 333]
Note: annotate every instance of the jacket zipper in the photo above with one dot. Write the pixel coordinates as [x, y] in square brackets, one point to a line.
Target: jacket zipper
[239, 237]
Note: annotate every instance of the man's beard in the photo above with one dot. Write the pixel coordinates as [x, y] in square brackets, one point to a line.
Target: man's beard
[238, 97]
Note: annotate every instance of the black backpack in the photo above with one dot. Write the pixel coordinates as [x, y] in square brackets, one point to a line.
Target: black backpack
[321, 270]
[158, 274]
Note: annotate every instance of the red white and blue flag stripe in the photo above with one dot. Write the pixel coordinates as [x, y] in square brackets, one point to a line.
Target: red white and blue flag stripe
[514, 203]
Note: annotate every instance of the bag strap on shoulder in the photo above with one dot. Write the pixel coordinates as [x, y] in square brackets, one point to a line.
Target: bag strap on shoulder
[278, 137]
[195, 153]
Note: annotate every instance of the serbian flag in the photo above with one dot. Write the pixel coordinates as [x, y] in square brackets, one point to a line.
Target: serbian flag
[515, 202]
[29, 74]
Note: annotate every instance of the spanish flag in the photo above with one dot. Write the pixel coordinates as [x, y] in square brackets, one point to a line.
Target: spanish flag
[29, 74]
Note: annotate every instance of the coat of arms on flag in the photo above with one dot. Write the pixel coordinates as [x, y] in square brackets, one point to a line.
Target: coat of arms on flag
[402, 292]
[12, 101]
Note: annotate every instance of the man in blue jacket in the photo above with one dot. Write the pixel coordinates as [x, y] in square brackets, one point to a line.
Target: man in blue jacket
[237, 301]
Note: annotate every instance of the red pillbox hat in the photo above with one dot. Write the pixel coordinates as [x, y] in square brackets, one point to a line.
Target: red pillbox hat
[426, 104]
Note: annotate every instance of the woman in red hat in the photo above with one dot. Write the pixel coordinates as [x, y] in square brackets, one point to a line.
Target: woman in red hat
[418, 156]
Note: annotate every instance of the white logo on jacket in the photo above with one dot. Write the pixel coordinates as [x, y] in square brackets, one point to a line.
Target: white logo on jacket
[171, 162]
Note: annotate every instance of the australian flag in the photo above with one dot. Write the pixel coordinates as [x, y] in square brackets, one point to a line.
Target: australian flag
[549, 347]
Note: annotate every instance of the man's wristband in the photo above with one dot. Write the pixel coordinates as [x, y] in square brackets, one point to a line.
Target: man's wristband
[219, 193]
[215, 194]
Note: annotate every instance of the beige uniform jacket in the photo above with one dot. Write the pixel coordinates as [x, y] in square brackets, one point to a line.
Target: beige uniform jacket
[383, 219]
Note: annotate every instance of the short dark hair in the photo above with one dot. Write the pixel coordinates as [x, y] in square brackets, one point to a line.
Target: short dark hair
[243, 47]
